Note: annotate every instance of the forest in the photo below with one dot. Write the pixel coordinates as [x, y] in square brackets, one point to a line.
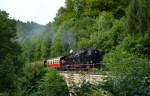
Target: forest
[118, 28]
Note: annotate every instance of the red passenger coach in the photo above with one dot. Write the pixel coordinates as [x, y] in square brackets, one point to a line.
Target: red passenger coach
[53, 63]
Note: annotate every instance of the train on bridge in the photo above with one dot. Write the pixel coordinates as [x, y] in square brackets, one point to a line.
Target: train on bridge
[82, 60]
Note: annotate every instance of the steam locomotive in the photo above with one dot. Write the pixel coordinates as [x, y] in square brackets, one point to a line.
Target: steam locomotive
[82, 60]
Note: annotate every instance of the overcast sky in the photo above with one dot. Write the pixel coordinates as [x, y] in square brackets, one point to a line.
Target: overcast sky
[40, 11]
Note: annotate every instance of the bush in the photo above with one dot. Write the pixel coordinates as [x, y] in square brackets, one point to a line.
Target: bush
[87, 89]
[28, 81]
[8, 76]
[128, 73]
[39, 81]
[52, 85]
[135, 83]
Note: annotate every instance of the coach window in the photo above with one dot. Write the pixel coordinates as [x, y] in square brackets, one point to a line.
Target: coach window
[56, 61]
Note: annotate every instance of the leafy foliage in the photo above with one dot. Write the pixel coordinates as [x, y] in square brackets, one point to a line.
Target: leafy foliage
[38, 81]
[28, 81]
[87, 89]
[52, 85]
[9, 50]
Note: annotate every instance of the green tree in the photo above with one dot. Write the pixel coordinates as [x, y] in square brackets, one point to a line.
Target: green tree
[52, 85]
[9, 50]
[138, 19]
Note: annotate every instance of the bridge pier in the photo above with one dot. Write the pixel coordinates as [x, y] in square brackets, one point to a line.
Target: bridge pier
[76, 79]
